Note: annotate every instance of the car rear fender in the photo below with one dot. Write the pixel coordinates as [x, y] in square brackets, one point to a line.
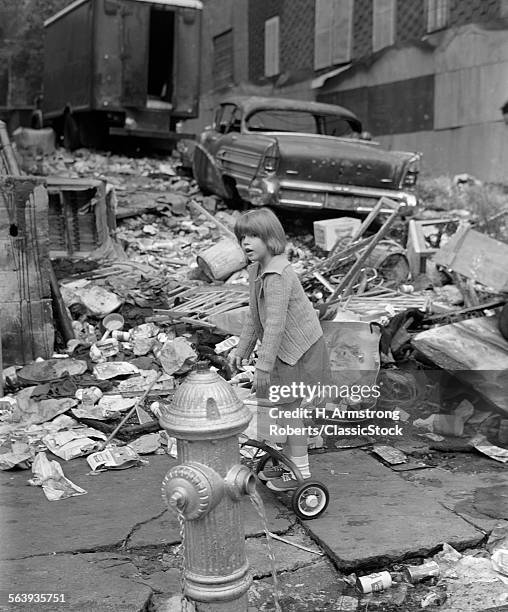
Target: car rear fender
[207, 173]
[240, 157]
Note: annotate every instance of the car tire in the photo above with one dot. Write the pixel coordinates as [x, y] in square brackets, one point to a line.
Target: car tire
[233, 197]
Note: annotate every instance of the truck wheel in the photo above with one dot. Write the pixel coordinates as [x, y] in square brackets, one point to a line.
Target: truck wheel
[70, 133]
[93, 131]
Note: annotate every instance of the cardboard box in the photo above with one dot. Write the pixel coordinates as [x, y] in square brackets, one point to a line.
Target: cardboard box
[328, 231]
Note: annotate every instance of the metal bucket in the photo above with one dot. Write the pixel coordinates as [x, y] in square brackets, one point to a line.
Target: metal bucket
[221, 260]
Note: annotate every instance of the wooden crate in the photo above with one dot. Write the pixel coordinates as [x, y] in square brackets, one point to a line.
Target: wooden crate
[424, 239]
[25, 295]
[478, 257]
[79, 217]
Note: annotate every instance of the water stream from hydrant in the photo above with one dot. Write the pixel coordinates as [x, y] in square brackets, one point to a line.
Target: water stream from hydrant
[257, 502]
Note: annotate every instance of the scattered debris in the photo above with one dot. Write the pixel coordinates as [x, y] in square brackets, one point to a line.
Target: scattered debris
[114, 458]
[49, 475]
[374, 582]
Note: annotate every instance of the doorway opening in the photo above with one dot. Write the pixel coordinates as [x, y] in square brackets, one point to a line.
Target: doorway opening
[161, 55]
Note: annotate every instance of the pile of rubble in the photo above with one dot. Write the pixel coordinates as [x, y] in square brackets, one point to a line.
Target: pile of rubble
[176, 292]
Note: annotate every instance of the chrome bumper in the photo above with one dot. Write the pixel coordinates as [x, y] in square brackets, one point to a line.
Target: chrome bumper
[303, 194]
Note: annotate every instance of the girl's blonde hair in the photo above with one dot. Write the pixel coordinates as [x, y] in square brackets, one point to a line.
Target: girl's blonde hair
[263, 223]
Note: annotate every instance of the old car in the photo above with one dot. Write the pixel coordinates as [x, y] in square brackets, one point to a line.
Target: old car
[299, 154]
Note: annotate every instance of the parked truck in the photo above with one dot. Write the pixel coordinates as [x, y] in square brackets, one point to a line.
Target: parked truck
[121, 68]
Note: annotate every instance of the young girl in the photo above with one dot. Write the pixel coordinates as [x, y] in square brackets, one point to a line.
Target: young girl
[292, 347]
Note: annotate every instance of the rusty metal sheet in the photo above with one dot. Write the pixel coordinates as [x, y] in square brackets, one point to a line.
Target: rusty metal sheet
[474, 351]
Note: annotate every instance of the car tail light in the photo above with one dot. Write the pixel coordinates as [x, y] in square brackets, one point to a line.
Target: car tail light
[412, 171]
[271, 159]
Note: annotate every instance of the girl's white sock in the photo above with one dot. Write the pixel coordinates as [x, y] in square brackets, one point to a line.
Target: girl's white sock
[302, 463]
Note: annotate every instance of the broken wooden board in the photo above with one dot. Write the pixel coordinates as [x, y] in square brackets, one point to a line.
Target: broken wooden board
[476, 256]
[474, 351]
[197, 305]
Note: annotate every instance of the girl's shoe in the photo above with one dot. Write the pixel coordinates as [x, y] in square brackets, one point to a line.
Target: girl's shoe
[272, 471]
[287, 482]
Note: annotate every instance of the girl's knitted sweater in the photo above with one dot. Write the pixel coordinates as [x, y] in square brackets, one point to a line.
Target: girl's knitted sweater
[280, 316]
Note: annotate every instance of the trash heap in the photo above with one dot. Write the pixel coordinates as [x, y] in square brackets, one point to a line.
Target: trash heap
[449, 580]
[179, 295]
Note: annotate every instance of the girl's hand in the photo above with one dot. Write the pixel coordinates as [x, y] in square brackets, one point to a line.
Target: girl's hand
[261, 383]
[235, 360]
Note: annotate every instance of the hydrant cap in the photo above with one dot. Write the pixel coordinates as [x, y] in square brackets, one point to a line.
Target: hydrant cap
[205, 407]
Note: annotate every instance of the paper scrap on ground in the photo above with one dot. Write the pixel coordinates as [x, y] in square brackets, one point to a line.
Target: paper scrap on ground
[29, 411]
[105, 371]
[74, 443]
[98, 301]
[177, 356]
[19, 460]
[390, 454]
[49, 475]
[114, 458]
[141, 382]
[497, 453]
[146, 444]
[169, 443]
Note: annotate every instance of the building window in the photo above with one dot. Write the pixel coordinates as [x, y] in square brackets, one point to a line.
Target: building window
[333, 33]
[223, 74]
[437, 14]
[272, 46]
[383, 30]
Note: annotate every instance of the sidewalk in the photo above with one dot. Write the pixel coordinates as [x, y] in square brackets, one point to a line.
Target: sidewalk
[112, 548]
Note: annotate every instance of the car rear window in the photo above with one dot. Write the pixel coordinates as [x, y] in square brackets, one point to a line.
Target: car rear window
[298, 121]
[282, 121]
[336, 126]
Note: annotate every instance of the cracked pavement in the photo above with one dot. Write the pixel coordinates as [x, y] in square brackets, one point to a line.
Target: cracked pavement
[116, 548]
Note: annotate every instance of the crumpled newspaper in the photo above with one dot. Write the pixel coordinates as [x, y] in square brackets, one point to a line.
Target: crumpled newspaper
[49, 475]
[147, 444]
[115, 458]
[497, 453]
[29, 410]
[112, 369]
[20, 456]
[177, 356]
[74, 443]
[98, 301]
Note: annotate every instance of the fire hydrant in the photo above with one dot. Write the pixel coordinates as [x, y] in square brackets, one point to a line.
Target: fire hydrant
[207, 488]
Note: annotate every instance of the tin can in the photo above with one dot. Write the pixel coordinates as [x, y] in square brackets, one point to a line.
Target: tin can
[407, 288]
[374, 582]
[89, 395]
[121, 336]
[417, 573]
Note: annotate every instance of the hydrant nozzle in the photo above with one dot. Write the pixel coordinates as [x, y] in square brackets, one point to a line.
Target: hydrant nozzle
[178, 499]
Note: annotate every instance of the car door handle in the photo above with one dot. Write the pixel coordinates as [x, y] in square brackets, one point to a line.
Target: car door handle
[234, 138]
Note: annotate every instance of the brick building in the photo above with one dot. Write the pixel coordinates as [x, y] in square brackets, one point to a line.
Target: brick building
[426, 75]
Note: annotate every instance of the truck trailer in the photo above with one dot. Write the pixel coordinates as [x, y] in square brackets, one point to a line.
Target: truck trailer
[121, 68]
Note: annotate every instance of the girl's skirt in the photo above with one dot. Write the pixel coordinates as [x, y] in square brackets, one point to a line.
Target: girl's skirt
[310, 373]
